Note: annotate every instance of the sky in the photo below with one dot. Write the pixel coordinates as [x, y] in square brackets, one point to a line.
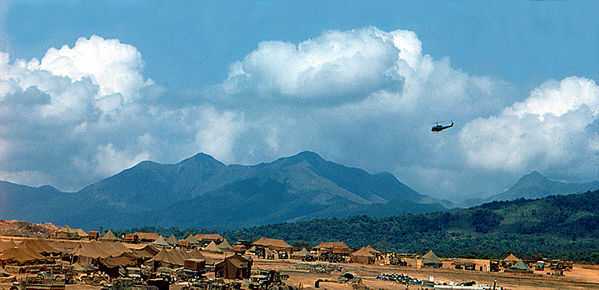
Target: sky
[90, 88]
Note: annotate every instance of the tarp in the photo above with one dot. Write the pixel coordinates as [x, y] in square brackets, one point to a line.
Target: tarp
[124, 260]
[363, 256]
[21, 256]
[39, 246]
[146, 252]
[234, 267]
[273, 244]
[160, 242]
[109, 236]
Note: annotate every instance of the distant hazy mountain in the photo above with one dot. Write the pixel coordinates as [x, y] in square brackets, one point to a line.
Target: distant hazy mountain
[533, 186]
[203, 192]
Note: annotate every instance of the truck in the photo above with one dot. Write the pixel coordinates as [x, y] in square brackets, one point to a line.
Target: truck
[38, 282]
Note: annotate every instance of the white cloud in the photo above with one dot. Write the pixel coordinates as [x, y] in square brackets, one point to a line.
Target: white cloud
[553, 130]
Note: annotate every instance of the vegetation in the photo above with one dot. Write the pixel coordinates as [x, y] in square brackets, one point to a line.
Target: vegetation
[557, 227]
[564, 227]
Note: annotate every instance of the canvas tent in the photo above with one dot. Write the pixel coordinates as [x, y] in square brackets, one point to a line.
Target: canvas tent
[225, 246]
[510, 260]
[301, 254]
[173, 258]
[66, 233]
[5, 245]
[160, 242]
[39, 246]
[519, 267]
[146, 237]
[431, 260]
[207, 238]
[234, 267]
[333, 247]
[21, 256]
[192, 241]
[363, 256]
[212, 247]
[172, 240]
[273, 244]
[109, 236]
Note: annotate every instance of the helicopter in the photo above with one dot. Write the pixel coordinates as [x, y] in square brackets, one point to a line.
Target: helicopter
[439, 128]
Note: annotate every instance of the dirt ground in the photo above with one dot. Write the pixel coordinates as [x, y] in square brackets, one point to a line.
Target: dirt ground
[581, 277]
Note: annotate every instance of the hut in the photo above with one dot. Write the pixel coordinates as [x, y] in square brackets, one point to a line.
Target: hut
[333, 247]
[234, 267]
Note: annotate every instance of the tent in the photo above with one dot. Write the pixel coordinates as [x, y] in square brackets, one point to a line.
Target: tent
[160, 242]
[172, 240]
[333, 247]
[519, 267]
[207, 238]
[5, 245]
[273, 244]
[170, 258]
[66, 233]
[225, 246]
[431, 260]
[192, 241]
[234, 267]
[39, 246]
[21, 256]
[196, 254]
[363, 256]
[301, 254]
[212, 247]
[146, 237]
[109, 236]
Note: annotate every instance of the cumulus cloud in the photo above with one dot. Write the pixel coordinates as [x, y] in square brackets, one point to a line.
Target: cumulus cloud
[83, 113]
[554, 130]
[364, 98]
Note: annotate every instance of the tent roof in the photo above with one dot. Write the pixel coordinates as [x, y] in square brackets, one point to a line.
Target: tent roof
[225, 245]
[208, 237]
[172, 240]
[160, 241]
[331, 245]
[21, 255]
[274, 244]
[39, 246]
[5, 245]
[81, 232]
[3, 272]
[303, 252]
[372, 250]
[519, 266]
[147, 236]
[109, 236]
[431, 258]
[511, 258]
[363, 252]
[191, 240]
[212, 247]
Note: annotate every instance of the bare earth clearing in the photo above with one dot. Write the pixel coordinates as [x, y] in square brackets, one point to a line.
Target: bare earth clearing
[580, 277]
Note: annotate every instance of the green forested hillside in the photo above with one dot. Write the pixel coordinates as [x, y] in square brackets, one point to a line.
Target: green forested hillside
[564, 227]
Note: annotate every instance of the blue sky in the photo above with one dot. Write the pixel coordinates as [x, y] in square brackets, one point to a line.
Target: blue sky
[360, 83]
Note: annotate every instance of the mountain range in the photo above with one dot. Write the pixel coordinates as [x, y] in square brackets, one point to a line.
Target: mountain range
[202, 192]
